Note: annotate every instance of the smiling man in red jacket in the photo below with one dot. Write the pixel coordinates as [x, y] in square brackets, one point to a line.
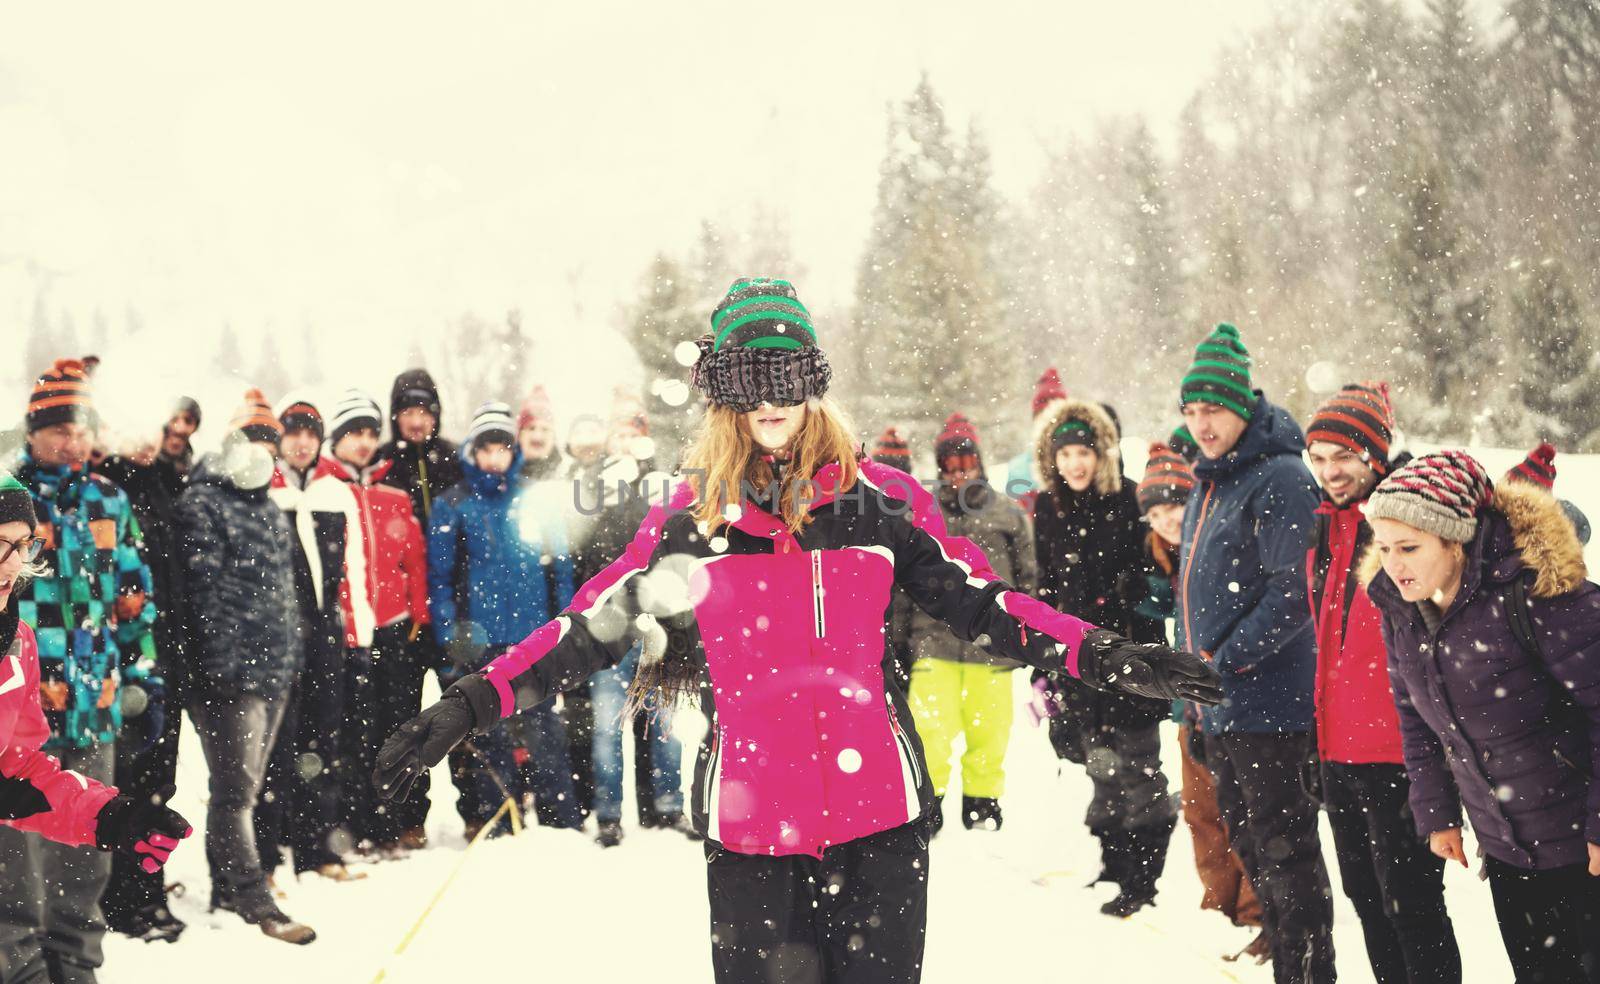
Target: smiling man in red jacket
[1390, 876]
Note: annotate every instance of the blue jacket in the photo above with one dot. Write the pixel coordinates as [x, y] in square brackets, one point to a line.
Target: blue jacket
[498, 561]
[1242, 580]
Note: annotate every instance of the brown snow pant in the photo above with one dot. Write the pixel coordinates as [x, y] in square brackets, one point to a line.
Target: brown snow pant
[1227, 887]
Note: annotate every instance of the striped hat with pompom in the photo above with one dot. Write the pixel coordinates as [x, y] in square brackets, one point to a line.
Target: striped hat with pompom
[1167, 479]
[1539, 467]
[1438, 493]
[61, 396]
[1359, 417]
[762, 348]
[1220, 374]
[255, 418]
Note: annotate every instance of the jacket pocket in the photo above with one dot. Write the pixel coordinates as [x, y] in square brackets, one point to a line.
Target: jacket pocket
[818, 605]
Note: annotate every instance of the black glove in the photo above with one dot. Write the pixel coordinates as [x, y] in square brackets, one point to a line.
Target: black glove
[1110, 662]
[423, 741]
[142, 826]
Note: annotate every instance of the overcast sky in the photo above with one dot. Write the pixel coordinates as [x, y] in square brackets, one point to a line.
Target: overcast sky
[379, 169]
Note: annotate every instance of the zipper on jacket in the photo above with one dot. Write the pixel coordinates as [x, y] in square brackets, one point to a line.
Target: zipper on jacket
[1188, 568]
[711, 777]
[817, 607]
[904, 742]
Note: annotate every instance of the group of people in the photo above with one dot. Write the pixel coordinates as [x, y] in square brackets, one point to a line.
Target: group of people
[1398, 642]
[290, 593]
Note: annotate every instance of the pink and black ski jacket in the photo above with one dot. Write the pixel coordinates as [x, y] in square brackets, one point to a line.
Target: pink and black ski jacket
[813, 742]
[36, 794]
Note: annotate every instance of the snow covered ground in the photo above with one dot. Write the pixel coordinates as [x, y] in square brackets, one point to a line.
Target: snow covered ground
[1005, 906]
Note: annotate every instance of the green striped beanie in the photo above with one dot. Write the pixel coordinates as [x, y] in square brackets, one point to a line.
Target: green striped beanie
[762, 348]
[1221, 373]
[16, 504]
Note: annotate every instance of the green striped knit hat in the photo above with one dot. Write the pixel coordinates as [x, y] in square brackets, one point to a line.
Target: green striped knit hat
[1221, 373]
[762, 349]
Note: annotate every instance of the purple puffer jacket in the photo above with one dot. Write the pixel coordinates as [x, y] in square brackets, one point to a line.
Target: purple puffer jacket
[1484, 724]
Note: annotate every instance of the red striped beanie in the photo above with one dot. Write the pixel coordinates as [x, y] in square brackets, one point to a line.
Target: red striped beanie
[1167, 479]
[1438, 493]
[1539, 467]
[1359, 417]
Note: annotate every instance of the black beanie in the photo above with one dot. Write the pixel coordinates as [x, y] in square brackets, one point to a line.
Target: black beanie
[16, 504]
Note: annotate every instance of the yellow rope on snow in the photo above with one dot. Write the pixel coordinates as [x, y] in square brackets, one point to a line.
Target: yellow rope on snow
[411, 934]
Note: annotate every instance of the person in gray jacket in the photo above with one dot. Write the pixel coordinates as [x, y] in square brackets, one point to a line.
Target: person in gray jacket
[958, 688]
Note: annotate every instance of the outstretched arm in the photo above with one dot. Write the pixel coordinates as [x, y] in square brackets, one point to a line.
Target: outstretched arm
[950, 579]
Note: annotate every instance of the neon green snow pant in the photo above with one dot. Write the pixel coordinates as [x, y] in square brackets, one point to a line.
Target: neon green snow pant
[950, 699]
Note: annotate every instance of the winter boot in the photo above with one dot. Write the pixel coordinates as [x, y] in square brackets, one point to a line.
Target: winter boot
[980, 813]
[280, 927]
[1113, 855]
[1145, 859]
[676, 821]
[336, 871]
[936, 818]
[610, 833]
[414, 839]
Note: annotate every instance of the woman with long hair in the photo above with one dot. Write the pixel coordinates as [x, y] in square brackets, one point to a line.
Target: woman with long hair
[770, 567]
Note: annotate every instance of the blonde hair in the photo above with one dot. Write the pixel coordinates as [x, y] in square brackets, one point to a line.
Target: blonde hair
[722, 461]
[725, 458]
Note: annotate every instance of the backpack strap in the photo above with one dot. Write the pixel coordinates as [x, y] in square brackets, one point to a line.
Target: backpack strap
[1521, 621]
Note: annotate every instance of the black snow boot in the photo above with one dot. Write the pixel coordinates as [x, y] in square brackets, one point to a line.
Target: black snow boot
[610, 833]
[1113, 856]
[1145, 859]
[980, 813]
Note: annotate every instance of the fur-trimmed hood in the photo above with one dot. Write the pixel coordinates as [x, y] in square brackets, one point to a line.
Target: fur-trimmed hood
[1525, 529]
[1108, 470]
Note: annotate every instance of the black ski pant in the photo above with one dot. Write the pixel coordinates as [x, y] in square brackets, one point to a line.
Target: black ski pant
[1272, 824]
[857, 915]
[1549, 920]
[1391, 878]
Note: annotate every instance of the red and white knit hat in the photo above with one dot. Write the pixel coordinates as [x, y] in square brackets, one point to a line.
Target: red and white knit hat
[1438, 493]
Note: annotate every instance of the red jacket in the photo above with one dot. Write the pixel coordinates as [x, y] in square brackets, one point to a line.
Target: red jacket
[34, 789]
[397, 557]
[1356, 718]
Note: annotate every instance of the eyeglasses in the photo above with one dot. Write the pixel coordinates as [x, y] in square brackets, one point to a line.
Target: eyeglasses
[30, 549]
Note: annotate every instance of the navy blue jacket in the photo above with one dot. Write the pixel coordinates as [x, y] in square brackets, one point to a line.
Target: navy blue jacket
[1242, 579]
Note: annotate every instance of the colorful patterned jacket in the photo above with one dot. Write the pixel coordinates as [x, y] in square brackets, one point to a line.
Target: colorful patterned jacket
[92, 611]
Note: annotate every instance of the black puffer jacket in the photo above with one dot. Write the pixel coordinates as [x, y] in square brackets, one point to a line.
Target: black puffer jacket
[238, 557]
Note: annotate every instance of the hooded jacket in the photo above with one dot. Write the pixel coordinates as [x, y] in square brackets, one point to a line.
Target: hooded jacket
[396, 554]
[423, 471]
[498, 561]
[92, 613]
[1512, 737]
[1242, 579]
[1090, 548]
[238, 560]
[812, 742]
[36, 794]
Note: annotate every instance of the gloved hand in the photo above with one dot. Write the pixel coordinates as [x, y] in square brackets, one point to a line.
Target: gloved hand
[420, 743]
[144, 712]
[142, 826]
[1110, 662]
